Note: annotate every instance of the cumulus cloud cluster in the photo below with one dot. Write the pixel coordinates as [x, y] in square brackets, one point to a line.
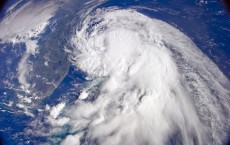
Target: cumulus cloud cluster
[153, 85]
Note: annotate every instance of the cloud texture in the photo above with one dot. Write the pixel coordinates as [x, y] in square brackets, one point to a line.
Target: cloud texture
[152, 84]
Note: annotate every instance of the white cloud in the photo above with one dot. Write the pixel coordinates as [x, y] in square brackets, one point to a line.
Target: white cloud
[23, 72]
[151, 80]
[56, 122]
[83, 95]
[71, 140]
[56, 110]
[54, 117]
[26, 22]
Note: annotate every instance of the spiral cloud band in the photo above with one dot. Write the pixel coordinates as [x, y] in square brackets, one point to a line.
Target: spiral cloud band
[149, 84]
